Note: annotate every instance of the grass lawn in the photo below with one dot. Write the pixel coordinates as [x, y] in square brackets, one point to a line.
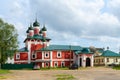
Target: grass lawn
[65, 77]
[116, 67]
[57, 68]
[2, 77]
[4, 71]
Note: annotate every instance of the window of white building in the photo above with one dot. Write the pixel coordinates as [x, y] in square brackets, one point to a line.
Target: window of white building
[47, 54]
[62, 64]
[55, 64]
[18, 56]
[59, 54]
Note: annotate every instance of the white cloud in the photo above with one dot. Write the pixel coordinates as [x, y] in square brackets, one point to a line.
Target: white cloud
[70, 21]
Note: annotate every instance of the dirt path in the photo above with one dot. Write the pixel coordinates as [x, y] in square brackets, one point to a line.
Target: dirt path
[99, 73]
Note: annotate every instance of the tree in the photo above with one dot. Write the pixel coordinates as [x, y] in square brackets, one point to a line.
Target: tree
[8, 40]
[92, 49]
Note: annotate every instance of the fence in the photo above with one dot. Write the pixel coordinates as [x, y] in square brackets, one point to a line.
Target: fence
[17, 66]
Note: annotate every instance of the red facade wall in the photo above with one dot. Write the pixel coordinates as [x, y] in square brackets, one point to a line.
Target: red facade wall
[23, 56]
[64, 55]
[39, 55]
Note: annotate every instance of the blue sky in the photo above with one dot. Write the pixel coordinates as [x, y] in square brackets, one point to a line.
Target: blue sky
[73, 22]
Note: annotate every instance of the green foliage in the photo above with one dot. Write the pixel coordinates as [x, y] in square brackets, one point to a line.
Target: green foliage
[65, 77]
[8, 40]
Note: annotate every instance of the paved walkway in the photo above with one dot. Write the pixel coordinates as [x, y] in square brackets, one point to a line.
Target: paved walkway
[97, 73]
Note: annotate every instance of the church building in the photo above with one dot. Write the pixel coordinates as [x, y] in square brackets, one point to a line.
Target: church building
[39, 51]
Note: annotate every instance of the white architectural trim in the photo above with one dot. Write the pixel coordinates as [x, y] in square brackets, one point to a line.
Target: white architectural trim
[62, 60]
[51, 62]
[84, 61]
[42, 55]
[42, 64]
[22, 61]
[92, 61]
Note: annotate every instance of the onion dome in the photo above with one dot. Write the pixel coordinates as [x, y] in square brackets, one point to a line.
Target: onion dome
[27, 30]
[31, 28]
[36, 23]
[40, 32]
[44, 28]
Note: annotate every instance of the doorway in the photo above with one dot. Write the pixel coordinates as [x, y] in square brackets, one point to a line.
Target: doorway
[80, 62]
[88, 62]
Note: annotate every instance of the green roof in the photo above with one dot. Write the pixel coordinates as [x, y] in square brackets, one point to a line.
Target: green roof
[23, 50]
[84, 51]
[38, 37]
[62, 47]
[109, 53]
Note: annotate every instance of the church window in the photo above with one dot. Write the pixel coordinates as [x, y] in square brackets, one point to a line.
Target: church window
[33, 56]
[55, 64]
[17, 56]
[62, 64]
[59, 54]
[47, 54]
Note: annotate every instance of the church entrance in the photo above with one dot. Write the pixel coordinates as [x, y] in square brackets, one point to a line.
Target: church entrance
[88, 62]
[80, 62]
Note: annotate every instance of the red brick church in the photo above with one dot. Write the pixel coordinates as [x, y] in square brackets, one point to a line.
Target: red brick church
[39, 51]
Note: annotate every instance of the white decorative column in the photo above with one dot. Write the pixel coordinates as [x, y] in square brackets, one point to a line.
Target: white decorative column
[29, 56]
[92, 61]
[84, 61]
[42, 58]
[51, 65]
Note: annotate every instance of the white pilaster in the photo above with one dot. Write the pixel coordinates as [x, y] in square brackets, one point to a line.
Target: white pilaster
[29, 45]
[42, 55]
[42, 58]
[43, 64]
[84, 61]
[92, 61]
[51, 65]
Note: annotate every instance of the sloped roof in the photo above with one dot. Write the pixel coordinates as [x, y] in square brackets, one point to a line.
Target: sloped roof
[23, 50]
[38, 37]
[109, 53]
[84, 50]
[62, 47]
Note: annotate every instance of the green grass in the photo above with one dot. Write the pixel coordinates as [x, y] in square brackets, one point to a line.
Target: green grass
[65, 77]
[4, 71]
[3, 77]
[53, 68]
[116, 67]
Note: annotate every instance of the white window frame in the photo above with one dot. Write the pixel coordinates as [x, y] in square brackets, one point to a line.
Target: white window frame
[55, 63]
[18, 54]
[33, 57]
[63, 64]
[47, 52]
[59, 52]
